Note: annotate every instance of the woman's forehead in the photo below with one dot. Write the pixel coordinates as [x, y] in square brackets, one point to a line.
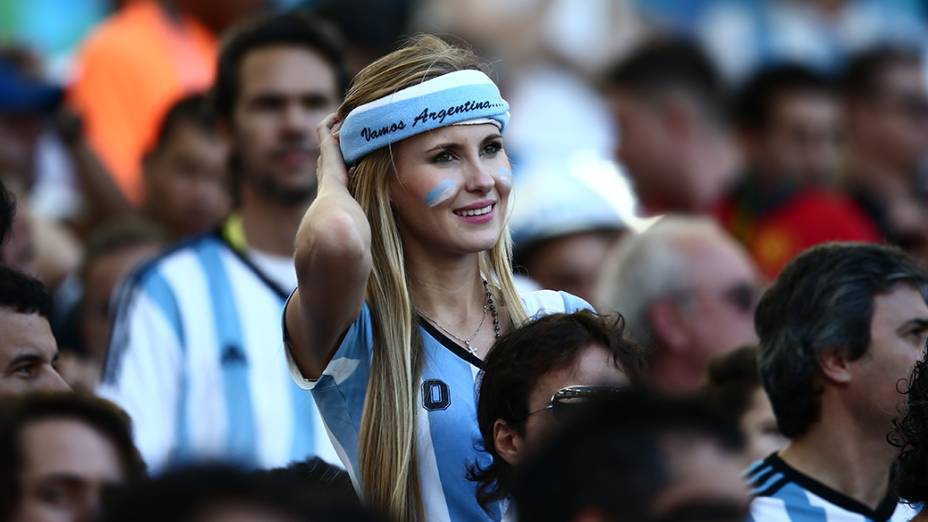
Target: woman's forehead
[462, 134]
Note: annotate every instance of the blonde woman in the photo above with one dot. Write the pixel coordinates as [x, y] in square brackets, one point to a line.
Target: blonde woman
[405, 280]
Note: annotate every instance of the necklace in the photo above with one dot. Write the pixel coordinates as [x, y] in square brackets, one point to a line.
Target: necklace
[489, 306]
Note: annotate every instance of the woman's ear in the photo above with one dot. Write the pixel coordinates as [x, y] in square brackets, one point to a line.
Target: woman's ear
[508, 441]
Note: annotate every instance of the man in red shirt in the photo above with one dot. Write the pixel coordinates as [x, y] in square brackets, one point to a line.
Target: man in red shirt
[788, 121]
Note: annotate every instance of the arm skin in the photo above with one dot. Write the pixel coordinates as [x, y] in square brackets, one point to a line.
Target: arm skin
[333, 263]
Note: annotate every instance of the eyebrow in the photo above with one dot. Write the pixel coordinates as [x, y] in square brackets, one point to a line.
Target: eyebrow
[452, 144]
[918, 323]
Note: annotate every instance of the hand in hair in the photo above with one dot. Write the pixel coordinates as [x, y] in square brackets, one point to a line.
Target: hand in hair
[330, 162]
[333, 262]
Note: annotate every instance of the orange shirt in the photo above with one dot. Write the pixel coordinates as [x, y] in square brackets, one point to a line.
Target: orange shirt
[129, 71]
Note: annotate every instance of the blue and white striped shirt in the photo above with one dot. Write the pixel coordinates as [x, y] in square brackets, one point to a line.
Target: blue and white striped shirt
[448, 435]
[783, 494]
[196, 360]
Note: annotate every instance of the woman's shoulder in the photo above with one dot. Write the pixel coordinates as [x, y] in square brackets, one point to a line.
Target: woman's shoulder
[545, 302]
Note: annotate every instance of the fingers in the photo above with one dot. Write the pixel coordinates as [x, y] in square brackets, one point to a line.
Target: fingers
[330, 162]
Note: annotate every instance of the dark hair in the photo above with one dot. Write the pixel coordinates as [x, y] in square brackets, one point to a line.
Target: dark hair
[733, 378]
[823, 300]
[613, 458]
[7, 212]
[910, 434]
[23, 293]
[290, 28]
[314, 473]
[863, 76]
[183, 494]
[193, 109]
[755, 101]
[519, 359]
[664, 65]
[119, 235]
[17, 413]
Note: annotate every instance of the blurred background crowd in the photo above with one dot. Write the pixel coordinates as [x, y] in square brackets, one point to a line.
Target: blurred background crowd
[711, 140]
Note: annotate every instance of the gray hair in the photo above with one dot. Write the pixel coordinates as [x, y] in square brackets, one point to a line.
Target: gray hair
[649, 266]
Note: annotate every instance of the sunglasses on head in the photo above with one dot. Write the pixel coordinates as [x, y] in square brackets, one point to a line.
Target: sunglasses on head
[570, 397]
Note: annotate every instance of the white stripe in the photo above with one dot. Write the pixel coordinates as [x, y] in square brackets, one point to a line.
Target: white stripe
[145, 383]
[543, 302]
[833, 513]
[441, 83]
[260, 309]
[433, 495]
[206, 404]
[769, 509]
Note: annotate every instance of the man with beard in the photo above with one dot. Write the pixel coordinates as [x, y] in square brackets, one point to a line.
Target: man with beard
[195, 357]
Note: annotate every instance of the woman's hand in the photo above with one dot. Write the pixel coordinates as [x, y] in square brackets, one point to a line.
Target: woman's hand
[330, 165]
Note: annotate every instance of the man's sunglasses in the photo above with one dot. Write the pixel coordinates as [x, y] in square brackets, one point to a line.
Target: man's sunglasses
[571, 397]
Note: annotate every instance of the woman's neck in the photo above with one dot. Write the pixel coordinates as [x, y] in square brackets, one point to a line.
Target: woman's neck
[445, 288]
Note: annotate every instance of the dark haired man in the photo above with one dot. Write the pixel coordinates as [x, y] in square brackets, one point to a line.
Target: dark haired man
[668, 101]
[842, 326]
[222, 493]
[636, 456]
[59, 453]
[196, 356]
[184, 173]
[28, 350]
[886, 103]
[788, 120]
[523, 389]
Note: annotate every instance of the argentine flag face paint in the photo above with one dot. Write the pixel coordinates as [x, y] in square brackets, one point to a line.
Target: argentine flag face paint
[443, 191]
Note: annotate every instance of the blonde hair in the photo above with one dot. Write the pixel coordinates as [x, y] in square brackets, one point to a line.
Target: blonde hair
[387, 453]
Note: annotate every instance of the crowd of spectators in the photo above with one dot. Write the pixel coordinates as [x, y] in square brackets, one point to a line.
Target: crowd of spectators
[675, 269]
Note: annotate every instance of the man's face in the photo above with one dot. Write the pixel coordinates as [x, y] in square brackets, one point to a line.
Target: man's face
[185, 181]
[284, 93]
[66, 465]
[593, 366]
[898, 335]
[802, 140]
[896, 119]
[677, 158]
[27, 353]
[716, 314]
[572, 263]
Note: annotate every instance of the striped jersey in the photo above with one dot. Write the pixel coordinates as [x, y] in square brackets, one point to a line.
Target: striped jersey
[448, 440]
[197, 362]
[783, 494]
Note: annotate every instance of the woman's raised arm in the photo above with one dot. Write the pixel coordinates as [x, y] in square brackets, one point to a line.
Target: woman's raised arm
[333, 263]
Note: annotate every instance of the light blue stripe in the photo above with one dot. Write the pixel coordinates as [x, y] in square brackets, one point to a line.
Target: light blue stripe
[767, 483]
[303, 445]
[797, 504]
[304, 417]
[362, 133]
[455, 435]
[240, 435]
[160, 292]
[754, 467]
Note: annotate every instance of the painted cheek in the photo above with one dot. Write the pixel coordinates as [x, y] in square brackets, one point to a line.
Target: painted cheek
[443, 191]
[504, 175]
